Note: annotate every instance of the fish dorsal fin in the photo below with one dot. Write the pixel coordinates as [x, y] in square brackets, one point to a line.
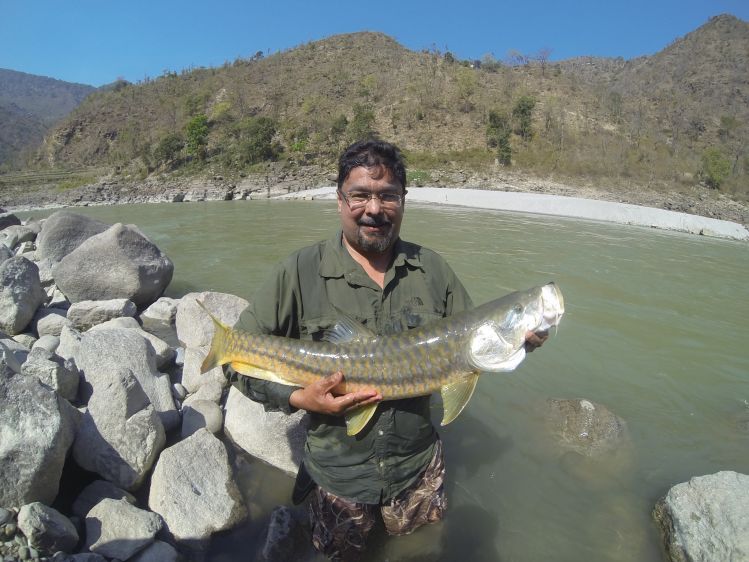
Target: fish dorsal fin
[357, 418]
[347, 330]
[252, 371]
[456, 395]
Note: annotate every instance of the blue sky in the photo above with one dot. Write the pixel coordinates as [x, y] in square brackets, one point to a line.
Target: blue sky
[96, 41]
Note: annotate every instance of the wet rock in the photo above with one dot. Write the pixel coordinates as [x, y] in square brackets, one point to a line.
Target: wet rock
[585, 427]
[63, 232]
[37, 429]
[286, 538]
[201, 414]
[121, 434]
[46, 528]
[85, 314]
[21, 294]
[118, 263]
[192, 488]
[97, 491]
[117, 529]
[706, 518]
[273, 437]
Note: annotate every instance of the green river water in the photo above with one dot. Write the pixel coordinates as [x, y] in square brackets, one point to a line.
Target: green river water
[654, 330]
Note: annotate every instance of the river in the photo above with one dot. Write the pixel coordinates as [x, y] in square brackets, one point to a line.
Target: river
[654, 330]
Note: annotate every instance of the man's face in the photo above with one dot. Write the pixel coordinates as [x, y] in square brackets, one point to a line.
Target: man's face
[373, 228]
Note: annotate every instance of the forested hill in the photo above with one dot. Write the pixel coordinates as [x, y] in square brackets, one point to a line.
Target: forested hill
[29, 105]
[678, 117]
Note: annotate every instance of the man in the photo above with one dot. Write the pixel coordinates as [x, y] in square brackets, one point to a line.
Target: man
[395, 465]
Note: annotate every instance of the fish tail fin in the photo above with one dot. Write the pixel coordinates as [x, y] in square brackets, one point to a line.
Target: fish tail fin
[216, 355]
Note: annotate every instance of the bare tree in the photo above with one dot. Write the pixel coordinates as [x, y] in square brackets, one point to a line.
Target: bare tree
[543, 59]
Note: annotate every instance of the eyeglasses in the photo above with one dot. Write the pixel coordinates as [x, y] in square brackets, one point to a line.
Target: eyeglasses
[359, 199]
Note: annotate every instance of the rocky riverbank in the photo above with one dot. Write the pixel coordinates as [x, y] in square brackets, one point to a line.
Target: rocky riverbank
[115, 446]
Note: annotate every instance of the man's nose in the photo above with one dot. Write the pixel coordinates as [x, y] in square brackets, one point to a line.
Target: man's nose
[374, 205]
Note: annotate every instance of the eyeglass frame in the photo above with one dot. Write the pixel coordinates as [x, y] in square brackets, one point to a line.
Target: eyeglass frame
[374, 195]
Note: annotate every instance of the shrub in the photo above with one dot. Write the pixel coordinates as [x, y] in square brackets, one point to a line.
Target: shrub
[716, 167]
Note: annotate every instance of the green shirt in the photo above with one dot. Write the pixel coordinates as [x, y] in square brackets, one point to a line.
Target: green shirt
[301, 300]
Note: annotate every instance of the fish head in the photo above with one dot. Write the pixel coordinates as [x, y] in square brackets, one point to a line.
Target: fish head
[497, 343]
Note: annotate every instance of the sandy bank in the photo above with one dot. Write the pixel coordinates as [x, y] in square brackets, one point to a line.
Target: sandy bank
[557, 205]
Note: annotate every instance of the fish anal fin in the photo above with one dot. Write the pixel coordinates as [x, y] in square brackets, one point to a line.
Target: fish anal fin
[456, 395]
[256, 373]
[357, 418]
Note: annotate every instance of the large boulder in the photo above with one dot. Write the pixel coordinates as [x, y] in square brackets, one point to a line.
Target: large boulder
[585, 427]
[117, 529]
[105, 351]
[37, 428]
[163, 353]
[85, 314]
[63, 232]
[46, 528]
[706, 518]
[273, 437]
[21, 294]
[120, 435]
[118, 263]
[194, 326]
[193, 489]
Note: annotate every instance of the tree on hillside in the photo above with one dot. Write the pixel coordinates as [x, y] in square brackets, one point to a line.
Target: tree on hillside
[361, 126]
[522, 112]
[498, 136]
[543, 59]
[197, 136]
[715, 167]
[168, 148]
[256, 140]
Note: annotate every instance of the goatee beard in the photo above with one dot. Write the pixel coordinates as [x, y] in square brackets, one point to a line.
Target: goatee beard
[377, 244]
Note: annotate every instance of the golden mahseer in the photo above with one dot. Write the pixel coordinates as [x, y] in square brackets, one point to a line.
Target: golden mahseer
[446, 355]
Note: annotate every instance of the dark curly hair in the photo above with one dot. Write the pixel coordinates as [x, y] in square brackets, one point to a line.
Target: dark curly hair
[372, 154]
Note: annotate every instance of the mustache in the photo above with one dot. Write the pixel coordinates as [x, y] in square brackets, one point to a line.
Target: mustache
[373, 221]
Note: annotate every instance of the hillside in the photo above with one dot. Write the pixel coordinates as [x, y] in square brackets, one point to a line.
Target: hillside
[29, 105]
[674, 121]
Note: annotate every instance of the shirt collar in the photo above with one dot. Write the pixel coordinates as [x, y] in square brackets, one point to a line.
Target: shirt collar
[337, 262]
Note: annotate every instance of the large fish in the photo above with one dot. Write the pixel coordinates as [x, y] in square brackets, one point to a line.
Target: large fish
[447, 355]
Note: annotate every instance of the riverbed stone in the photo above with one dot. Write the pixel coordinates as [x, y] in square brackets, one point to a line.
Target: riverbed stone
[46, 528]
[194, 326]
[102, 352]
[706, 518]
[585, 427]
[95, 492]
[274, 437]
[120, 262]
[37, 428]
[164, 354]
[21, 294]
[117, 529]
[201, 414]
[121, 434]
[193, 488]
[286, 538]
[85, 314]
[63, 232]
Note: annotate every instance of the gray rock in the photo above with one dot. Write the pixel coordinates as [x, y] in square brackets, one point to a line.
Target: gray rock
[80, 557]
[63, 232]
[192, 378]
[21, 294]
[95, 492]
[163, 353]
[194, 326]
[286, 538]
[212, 391]
[15, 235]
[5, 253]
[56, 299]
[13, 355]
[118, 263]
[37, 429]
[178, 391]
[45, 271]
[201, 414]
[117, 529]
[69, 344]
[85, 314]
[160, 319]
[120, 435]
[52, 373]
[193, 490]
[26, 340]
[50, 321]
[46, 528]
[8, 219]
[706, 519]
[585, 427]
[273, 437]
[102, 352]
[159, 551]
[48, 342]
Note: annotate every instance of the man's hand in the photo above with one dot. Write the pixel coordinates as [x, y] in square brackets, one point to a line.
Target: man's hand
[319, 397]
[535, 339]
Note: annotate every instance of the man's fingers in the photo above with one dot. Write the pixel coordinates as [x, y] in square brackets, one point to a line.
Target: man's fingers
[331, 381]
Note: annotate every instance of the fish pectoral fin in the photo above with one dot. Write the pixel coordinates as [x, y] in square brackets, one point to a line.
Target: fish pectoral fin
[456, 395]
[256, 373]
[347, 330]
[357, 418]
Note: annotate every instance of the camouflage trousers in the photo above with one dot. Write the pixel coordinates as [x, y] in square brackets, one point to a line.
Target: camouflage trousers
[340, 527]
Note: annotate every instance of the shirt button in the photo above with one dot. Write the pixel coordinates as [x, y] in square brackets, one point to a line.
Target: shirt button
[380, 432]
[382, 464]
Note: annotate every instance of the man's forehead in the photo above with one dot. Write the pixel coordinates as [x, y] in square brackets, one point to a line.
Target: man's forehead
[360, 176]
